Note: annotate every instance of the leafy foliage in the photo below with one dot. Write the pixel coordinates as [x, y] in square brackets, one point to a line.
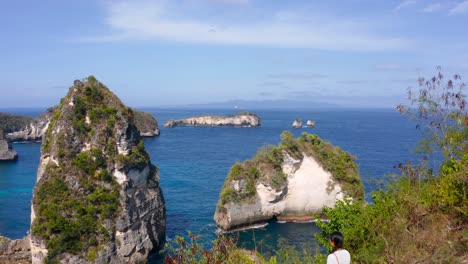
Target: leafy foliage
[66, 220]
[225, 249]
[420, 217]
[137, 158]
[441, 112]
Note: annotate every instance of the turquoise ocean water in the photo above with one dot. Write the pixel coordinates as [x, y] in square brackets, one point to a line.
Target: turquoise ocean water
[194, 161]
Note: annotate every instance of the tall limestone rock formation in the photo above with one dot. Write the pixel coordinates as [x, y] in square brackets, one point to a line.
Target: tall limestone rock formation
[97, 197]
[292, 181]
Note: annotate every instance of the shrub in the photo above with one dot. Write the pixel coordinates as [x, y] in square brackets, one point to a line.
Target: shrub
[419, 217]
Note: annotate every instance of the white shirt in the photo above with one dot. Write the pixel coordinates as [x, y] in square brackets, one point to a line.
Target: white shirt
[339, 257]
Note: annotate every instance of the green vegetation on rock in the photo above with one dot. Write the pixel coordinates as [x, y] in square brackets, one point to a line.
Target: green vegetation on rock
[77, 201]
[137, 158]
[145, 122]
[245, 113]
[266, 167]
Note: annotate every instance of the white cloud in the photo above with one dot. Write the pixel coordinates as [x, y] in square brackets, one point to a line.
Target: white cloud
[460, 8]
[405, 4]
[159, 21]
[432, 8]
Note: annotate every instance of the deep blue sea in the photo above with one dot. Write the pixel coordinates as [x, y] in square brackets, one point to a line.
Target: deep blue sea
[194, 161]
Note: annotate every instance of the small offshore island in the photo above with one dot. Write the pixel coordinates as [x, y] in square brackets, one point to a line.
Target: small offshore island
[7, 153]
[9, 123]
[292, 181]
[243, 119]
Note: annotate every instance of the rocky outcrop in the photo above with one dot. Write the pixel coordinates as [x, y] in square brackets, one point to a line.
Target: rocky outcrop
[97, 197]
[10, 123]
[310, 123]
[238, 120]
[7, 153]
[15, 251]
[146, 124]
[33, 131]
[292, 181]
[297, 123]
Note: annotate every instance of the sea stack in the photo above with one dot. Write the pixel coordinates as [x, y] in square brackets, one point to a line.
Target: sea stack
[243, 119]
[297, 123]
[310, 123]
[291, 182]
[97, 197]
[7, 153]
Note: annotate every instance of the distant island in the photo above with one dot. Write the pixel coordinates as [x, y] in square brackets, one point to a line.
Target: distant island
[243, 119]
[289, 182]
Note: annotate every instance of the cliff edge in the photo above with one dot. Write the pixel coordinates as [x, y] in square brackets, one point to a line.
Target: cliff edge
[292, 181]
[97, 197]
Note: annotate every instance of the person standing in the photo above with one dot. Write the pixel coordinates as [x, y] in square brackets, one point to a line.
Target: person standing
[339, 255]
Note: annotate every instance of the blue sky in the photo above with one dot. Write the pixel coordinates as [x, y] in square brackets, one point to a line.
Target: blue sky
[157, 53]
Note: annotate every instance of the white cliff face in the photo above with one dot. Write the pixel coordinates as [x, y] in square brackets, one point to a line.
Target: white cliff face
[238, 120]
[309, 187]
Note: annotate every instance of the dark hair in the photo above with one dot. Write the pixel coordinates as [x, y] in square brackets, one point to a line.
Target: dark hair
[337, 238]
